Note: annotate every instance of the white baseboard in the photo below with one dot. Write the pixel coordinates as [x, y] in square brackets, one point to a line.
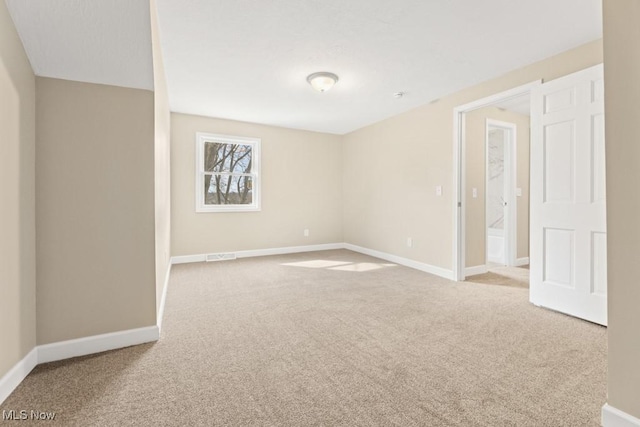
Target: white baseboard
[160, 314]
[612, 417]
[522, 261]
[96, 344]
[17, 374]
[289, 250]
[438, 271]
[477, 269]
[186, 259]
[183, 259]
[73, 348]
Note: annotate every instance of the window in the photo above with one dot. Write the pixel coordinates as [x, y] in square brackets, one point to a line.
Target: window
[227, 173]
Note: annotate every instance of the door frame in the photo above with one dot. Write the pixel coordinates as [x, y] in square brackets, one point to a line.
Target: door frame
[459, 164]
[510, 182]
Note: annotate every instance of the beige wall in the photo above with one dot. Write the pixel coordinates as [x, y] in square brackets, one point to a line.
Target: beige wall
[17, 198]
[391, 168]
[301, 188]
[162, 153]
[475, 243]
[622, 109]
[95, 216]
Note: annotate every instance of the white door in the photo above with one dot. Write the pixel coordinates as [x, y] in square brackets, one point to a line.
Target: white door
[568, 253]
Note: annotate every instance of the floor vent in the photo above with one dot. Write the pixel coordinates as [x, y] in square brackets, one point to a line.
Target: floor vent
[220, 257]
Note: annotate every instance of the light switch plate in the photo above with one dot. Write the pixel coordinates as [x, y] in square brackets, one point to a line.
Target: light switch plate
[439, 190]
[519, 192]
[475, 193]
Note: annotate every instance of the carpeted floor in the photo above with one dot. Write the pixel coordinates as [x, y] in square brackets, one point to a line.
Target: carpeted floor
[334, 338]
[503, 276]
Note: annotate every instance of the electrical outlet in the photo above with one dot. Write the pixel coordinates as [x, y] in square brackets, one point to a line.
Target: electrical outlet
[409, 242]
[306, 232]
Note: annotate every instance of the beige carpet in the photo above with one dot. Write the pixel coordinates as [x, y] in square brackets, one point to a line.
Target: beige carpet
[503, 276]
[334, 338]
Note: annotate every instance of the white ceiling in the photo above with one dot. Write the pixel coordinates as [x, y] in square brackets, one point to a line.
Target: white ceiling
[95, 41]
[249, 59]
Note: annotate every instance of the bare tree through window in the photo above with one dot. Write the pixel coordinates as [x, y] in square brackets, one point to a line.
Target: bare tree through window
[228, 172]
[230, 182]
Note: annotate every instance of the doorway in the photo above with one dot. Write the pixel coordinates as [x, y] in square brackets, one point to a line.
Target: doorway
[493, 185]
[568, 202]
[500, 184]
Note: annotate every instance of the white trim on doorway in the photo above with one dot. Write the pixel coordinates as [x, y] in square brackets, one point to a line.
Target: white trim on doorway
[459, 173]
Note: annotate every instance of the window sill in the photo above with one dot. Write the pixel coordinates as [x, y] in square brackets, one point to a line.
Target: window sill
[227, 209]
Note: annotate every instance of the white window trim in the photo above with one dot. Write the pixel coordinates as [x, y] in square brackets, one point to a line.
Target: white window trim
[201, 138]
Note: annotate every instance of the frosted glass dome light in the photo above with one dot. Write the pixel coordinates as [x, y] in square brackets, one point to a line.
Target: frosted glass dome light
[322, 81]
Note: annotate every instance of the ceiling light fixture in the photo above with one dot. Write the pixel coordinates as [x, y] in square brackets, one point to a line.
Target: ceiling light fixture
[322, 81]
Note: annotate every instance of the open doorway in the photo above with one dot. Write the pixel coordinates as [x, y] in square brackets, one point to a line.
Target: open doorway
[492, 155]
[497, 186]
[500, 185]
[496, 174]
[567, 192]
